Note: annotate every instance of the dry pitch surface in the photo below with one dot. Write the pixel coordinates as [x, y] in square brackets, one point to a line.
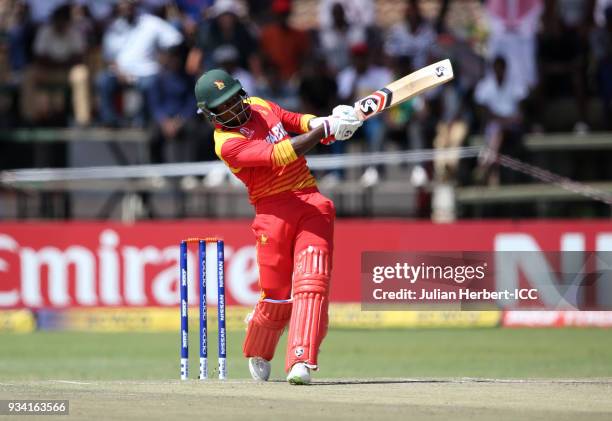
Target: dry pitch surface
[366, 374]
[435, 399]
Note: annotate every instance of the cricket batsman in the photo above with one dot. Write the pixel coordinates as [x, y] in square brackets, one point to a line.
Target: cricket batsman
[294, 223]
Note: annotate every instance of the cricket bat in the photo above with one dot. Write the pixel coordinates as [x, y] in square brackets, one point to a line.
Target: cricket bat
[405, 88]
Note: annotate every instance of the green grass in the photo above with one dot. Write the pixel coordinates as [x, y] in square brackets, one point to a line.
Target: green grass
[490, 353]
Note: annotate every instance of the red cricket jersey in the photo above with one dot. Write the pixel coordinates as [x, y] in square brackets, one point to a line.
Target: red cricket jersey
[260, 153]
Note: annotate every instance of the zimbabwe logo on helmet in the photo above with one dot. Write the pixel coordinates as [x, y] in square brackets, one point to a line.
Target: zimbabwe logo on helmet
[219, 84]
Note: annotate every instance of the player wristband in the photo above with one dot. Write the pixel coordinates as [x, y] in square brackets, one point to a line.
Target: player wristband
[326, 128]
[325, 123]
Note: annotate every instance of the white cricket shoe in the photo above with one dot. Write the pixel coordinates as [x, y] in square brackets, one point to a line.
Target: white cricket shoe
[259, 368]
[299, 374]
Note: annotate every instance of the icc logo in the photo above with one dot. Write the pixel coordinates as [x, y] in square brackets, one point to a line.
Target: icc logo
[246, 132]
[440, 70]
[369, 105]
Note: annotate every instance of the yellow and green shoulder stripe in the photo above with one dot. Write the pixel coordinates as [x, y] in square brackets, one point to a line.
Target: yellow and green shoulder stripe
[283, 153]
[220, 138]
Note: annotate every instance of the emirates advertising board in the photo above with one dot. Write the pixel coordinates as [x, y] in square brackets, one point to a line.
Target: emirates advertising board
[95, 264]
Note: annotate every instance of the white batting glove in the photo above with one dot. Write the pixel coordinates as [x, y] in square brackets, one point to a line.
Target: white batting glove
[345, 112]
[335, 128]
[345, 129]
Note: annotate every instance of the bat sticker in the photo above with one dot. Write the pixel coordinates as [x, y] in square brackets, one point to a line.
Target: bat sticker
[440, 71]
[376, 102]
[369, 105]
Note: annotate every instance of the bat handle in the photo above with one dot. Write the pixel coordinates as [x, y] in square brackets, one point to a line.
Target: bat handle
[360, 115]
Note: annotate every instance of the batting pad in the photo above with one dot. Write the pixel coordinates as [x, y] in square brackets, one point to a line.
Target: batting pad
[309, 318]
[265, 328]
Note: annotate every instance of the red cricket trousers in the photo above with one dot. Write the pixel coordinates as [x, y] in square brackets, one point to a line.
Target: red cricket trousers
[285, 224]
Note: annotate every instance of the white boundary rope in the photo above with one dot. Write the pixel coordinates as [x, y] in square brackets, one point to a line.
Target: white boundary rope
[549, 177]
[19, 178]
[320, 162]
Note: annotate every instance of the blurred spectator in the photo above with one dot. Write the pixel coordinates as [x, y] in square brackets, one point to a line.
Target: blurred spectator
[130, 48]
[180, 134]
[259, 11]
[335, 40]
[577, 19]
[513, 27]
[440, 25]
[224, 28]
[185, 16]
[574, 13]
[99, 11]
[84, 23]
[276, 89]
[358, 12]
[599, 12]
[561, 62]
[59, 50]
[601, 42]
[154, 7]
[17, 37]
[192, 12]
[193, 8]
[413, 37]
[468, 64]
[462, 43]
[405, 121]
[282, 45]
[500, 99]
[42, 10]
[21, 32]
[228, 57]
[355, 82]
[318, 88]
[450, 133]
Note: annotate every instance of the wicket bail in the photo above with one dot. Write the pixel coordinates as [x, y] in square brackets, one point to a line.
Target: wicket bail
[184, 304]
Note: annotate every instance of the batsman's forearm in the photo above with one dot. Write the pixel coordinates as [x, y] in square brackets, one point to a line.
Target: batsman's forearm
[305, 142]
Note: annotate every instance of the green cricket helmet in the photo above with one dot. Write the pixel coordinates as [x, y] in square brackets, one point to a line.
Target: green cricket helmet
[215, 88]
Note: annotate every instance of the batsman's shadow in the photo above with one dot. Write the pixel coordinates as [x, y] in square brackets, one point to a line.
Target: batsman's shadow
[370, 381]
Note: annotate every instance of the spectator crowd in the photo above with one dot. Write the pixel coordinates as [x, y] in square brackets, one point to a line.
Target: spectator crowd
[133, 63]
